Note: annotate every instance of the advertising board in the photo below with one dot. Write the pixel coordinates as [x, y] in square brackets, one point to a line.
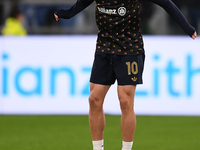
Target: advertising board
[50, 75]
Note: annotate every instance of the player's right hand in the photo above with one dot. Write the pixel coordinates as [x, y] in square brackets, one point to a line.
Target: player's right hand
[56, 17]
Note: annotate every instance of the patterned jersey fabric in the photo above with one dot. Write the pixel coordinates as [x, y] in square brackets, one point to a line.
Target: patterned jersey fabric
[119, 23]
[119, 27]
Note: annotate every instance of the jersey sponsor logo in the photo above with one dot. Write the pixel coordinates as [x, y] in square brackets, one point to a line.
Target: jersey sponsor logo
[121, 11]
[107, 11]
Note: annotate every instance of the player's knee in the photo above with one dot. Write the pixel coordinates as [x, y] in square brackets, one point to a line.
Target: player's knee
[95, 102]
[126, 104]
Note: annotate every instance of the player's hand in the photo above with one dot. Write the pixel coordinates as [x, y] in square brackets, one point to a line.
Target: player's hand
[56, 17]
[194, 35]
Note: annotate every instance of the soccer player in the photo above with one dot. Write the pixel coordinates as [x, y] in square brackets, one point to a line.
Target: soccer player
[119, 56]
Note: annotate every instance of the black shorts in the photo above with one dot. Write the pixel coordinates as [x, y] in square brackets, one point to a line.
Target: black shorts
[126, 69]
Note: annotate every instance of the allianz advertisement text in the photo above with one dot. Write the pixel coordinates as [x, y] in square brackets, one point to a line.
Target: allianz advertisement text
[50, 75]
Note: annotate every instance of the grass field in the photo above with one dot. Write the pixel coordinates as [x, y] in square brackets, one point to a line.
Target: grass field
[72, 133]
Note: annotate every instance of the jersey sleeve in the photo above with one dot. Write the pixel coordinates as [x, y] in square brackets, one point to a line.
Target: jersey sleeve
[176, 14]
[75, 9]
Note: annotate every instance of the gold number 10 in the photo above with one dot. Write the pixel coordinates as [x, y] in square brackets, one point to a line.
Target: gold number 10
[132, 67]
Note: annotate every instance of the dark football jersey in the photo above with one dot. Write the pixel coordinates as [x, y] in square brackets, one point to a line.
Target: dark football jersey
[119, 27]
[119, 23]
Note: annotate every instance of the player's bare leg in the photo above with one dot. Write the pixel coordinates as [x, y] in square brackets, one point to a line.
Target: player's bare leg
[96, 114]
[128, 119]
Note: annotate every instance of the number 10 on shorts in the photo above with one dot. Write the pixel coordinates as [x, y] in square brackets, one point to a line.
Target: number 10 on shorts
[132, 67]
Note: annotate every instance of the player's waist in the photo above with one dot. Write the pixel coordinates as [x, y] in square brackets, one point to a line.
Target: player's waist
[136, 51]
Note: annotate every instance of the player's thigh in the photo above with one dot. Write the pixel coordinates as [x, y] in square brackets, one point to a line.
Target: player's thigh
[97, 93]
[126, 94]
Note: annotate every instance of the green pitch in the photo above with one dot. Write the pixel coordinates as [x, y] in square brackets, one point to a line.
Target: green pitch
[73, 133]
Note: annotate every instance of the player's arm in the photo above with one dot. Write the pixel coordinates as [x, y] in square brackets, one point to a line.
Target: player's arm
[175, 13]
[75, 9]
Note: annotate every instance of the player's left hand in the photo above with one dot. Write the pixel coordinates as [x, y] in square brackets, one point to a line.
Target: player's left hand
[56, 17]
[194, 35]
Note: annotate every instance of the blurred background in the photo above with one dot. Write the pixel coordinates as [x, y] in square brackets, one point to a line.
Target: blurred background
[44, 79]
[38, 17]
[39, 74]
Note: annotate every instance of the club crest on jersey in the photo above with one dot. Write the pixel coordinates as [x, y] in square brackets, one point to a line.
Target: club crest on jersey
[121, 11]
[107, 11]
